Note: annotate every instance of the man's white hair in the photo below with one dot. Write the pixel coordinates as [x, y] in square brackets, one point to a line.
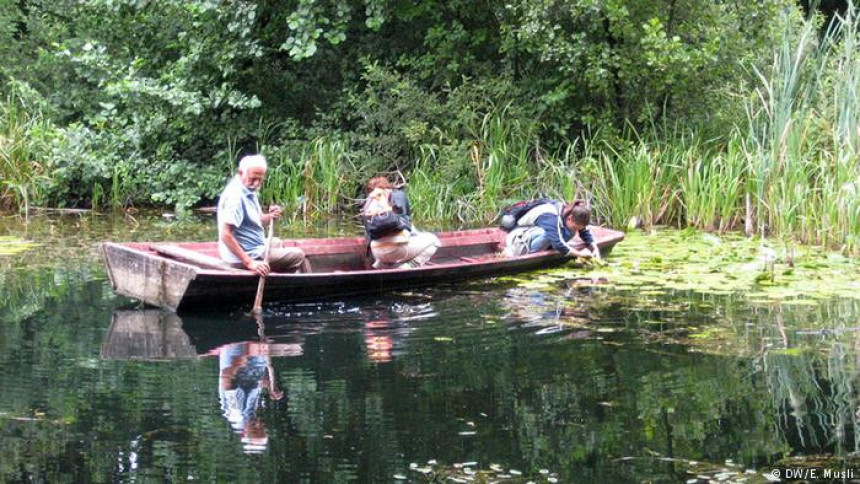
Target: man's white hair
[252, 161]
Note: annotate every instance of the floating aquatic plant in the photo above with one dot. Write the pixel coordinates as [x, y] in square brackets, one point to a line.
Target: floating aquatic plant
[466, 472]
[724, 295]
[12, 245]
[670, 261]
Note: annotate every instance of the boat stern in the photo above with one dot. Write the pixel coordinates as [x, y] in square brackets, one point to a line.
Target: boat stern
[146, 276]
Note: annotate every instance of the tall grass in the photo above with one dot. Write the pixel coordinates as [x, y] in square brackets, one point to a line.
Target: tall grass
[802, 136]
[557, 173]
[500, 154]
[437, 192]
[636, 179]
[711, 187]
[24, 142]
[313, 180]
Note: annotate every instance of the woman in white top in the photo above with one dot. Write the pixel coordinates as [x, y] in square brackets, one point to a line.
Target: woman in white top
[403, 247]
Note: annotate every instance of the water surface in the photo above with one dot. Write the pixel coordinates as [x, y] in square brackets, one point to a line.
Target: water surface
[561, 376]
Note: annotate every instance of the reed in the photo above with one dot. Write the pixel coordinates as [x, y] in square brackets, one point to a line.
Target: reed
[97, 194]
[311, 178]
[284, 182]
[558, 173]
[437, 192]
[24, 143]
[500, 154]
[801, 145]
[634, 179]
[325, 168]
[711, 187]
[843, 215]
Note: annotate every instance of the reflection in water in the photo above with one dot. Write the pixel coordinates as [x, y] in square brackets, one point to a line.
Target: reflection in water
[246, 352]
[378, 341]
[553, 311]
[595, 383]
[813, 375]
[245, 367]
[245, 372]
[809, 376]
[385, 330]
[148, 334]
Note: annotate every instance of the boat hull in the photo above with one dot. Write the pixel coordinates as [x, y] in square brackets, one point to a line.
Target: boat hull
[138, 271]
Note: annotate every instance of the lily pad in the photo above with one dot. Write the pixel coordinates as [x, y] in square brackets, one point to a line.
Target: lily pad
[13, 246]
[678, 261]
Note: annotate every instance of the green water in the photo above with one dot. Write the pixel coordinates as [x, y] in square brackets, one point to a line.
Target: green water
[623, 373]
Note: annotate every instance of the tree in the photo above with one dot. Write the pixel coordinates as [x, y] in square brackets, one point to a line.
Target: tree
[633, 59]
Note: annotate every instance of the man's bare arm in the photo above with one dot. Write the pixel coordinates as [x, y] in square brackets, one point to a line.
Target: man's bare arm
[230, 241]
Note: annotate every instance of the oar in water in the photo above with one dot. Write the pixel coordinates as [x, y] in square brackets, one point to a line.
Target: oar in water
[258, 301]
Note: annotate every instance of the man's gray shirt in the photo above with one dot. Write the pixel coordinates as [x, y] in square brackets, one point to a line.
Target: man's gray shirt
[240, 208]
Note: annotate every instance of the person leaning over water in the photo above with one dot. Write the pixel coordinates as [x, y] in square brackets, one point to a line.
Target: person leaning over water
[241, 238]
[554, 225]
[403, 249]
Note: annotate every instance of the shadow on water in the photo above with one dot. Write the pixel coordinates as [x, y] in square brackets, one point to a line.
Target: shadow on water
[571, 380]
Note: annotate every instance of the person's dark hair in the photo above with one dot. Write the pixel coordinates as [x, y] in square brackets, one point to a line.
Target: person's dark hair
[378, 182]
[579, 211]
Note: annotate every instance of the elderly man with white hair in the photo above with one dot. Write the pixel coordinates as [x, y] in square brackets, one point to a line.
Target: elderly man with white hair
[241, 238]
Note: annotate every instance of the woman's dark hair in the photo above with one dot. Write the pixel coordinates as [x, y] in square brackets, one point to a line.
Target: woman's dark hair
[579, 211]
[377, 182]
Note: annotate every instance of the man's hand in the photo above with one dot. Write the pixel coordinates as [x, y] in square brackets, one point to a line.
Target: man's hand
[259, 267]
[275, 211]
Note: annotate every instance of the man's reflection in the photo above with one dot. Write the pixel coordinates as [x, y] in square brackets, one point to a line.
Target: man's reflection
[246, 373]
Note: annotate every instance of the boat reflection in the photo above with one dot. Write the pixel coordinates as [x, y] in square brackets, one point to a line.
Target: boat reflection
[149, 334]
[245, 354]
[247, 348]
[156, 334]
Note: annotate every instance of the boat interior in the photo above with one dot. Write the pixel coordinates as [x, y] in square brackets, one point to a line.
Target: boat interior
[341, 254]
[351, 253]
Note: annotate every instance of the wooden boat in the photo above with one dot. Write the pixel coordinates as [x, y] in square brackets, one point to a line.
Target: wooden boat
[180, 276]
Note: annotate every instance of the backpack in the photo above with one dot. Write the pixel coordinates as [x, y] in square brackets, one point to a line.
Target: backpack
[384, 219]
[383, 224]
[510, 215]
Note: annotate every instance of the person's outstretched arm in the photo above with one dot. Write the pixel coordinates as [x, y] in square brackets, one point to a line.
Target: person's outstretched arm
[586, 237]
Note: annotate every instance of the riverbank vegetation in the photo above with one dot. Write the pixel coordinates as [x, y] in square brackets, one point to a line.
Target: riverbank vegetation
[709, 115]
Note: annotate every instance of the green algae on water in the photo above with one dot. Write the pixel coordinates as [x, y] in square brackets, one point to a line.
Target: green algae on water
[13, 246]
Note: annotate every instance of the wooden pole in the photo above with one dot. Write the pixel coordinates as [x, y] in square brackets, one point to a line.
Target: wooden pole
[258, 301]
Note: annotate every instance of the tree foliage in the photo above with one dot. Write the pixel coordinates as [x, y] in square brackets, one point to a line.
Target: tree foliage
[170, 91]
[629, 59]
